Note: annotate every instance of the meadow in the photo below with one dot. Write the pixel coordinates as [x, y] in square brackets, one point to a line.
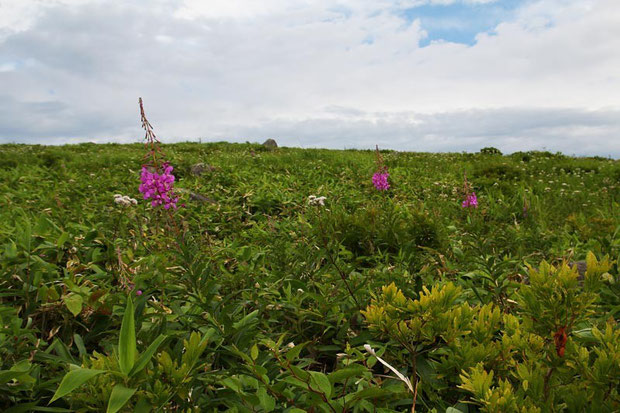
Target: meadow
[257, 295]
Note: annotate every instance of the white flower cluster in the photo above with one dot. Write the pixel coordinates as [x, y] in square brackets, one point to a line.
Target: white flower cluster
[316, 200]
[124, 200]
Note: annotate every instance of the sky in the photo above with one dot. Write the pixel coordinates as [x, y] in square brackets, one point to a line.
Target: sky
[416, 75]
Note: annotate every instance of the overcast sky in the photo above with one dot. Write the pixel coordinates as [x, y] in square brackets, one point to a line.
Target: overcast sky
[422, 75]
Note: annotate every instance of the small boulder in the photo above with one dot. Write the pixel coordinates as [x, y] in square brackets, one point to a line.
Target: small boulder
[270, 144]
[201, 198]
[193, 196]
[201, 168]
[582, 267]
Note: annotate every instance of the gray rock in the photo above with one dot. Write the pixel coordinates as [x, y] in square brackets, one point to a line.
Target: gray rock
[582, 267]
[201, 168]
[201, 198]
[193, 196]
[270, 144]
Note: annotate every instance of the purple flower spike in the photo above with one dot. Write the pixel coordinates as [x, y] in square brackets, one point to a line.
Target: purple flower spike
[159, 188]
[471, 201]
[380, 181]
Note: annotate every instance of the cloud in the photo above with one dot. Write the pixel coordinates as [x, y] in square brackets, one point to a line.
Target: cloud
[53, 121]
[353, 74]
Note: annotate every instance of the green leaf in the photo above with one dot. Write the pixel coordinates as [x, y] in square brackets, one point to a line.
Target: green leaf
[319, 381]
[266, 401]
[119, 396]
[64, 237]
[79, 343]
[73, 380]
[52, 294]
[295, 382]
[7, 375]
[347, 372]
[238, 353]
[127, 340]
[144, 358]
[246, 321]
[371, 393]
[233, 383]
[10, 250]
[73, 303]
[143, 406]
[16, 372]
[293, 353]
[254, 352]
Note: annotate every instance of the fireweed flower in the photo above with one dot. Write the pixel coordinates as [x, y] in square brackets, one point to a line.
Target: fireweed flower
[470, 201]
[159, 187]
[380, 177]
[380, 181]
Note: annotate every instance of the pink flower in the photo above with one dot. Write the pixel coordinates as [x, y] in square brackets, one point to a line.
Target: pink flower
[470, 201]
[380, 181]
[139, 292]
[159, 188]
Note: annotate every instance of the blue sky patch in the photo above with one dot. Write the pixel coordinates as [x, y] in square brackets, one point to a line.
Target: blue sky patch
[460, 22]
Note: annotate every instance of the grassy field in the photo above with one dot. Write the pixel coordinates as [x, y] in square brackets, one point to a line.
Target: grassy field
[249, 298]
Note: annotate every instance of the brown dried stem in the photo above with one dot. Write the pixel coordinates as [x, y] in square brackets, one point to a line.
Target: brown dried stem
[151, 142]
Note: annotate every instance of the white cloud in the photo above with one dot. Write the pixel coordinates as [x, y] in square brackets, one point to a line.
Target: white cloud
[19, 15]
[353, 73]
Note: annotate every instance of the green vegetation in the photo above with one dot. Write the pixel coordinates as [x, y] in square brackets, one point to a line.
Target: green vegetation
[250, 299]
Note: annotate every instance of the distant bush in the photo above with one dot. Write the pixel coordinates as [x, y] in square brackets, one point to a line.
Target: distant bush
[489, 150]
[522, 156]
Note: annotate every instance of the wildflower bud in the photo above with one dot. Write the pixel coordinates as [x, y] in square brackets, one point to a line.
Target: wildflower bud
[290, 345]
